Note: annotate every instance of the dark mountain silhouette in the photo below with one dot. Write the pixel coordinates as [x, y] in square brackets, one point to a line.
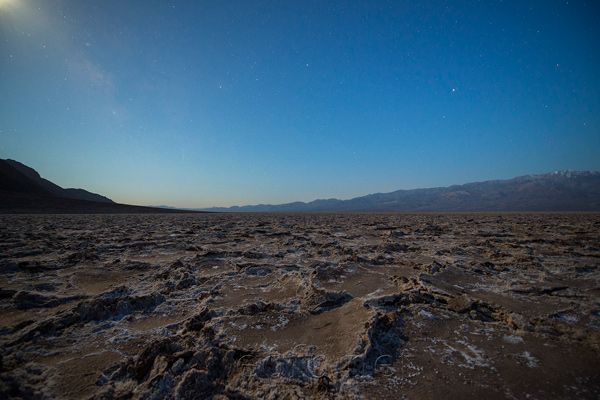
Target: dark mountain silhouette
[12, 180]
[16, 177]
[556, 191]
[24, 191]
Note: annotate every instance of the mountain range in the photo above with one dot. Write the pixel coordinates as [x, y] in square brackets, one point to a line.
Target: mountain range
[23, 190]
[566, 190]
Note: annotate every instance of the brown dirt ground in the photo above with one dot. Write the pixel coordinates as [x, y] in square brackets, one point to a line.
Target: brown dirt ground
[245, 306]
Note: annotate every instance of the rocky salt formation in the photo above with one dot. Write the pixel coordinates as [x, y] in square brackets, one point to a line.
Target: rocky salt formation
[300, 306]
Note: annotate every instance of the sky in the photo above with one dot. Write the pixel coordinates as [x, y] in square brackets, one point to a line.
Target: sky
[221, 103]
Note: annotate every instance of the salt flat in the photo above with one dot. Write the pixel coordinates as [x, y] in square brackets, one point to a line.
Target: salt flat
[300, 306]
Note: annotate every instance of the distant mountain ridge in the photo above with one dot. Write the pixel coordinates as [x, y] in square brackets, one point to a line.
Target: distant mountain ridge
[565, 190]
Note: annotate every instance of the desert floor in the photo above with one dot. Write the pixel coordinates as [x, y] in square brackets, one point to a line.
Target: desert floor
[244, 306]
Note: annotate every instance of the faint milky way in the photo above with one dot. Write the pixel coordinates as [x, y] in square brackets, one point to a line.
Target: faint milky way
[206, 103]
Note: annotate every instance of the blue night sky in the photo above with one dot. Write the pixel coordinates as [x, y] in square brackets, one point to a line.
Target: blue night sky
[219, 103]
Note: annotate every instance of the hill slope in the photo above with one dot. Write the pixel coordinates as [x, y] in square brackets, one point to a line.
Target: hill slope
[33, 175]
[24, 191]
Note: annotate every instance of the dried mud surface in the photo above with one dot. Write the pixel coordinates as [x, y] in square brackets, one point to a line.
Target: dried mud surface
[247, 306]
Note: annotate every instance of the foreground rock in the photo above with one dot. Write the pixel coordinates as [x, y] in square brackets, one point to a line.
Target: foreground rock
[300, 306]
